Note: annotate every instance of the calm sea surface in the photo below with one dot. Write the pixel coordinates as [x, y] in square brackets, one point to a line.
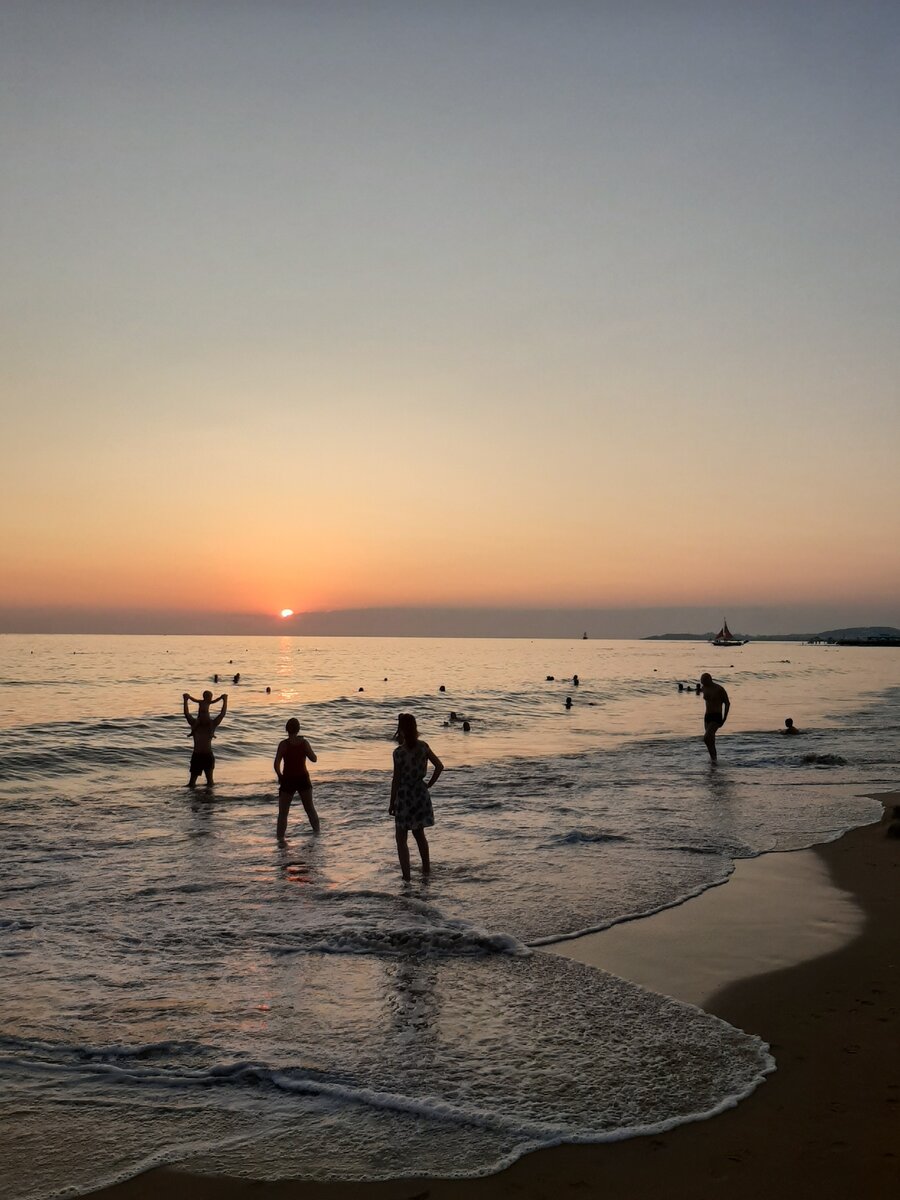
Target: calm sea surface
[177, 987]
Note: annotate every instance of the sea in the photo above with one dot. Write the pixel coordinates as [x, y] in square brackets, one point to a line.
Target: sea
[177, 987]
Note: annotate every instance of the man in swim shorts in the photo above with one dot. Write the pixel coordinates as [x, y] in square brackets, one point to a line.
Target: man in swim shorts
[717, 706]
[203, 730]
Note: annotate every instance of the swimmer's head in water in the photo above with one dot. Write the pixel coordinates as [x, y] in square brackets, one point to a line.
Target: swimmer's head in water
[789, 722]
[207, 695]
[293, 725]
[706, 679]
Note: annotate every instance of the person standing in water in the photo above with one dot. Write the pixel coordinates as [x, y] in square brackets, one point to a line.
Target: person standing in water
[717, 706]
[410, 792]
[290, 767]
[203, 730]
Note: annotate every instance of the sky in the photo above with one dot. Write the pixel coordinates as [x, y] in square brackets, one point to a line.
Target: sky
[382, 305]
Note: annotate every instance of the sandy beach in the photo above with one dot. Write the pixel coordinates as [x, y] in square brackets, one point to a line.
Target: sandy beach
[824, 1125]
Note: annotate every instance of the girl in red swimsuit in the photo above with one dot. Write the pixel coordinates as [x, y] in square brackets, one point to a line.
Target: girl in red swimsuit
[290, 767]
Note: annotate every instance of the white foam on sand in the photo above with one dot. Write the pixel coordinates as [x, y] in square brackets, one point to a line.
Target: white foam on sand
[472, 1062]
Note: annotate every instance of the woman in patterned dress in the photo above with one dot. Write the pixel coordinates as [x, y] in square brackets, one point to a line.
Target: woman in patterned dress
[410, 792]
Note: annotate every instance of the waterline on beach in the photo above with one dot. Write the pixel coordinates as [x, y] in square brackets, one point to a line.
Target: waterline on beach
[774, 911]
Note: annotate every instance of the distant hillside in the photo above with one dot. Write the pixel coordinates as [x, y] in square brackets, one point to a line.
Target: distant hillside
[708, 637]
[858, 633]
[862, 631]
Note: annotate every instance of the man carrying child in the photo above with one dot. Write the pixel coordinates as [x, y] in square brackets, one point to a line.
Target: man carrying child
[203, 730]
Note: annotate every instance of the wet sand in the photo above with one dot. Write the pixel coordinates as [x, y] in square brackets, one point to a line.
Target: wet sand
[775, 911]
[825, 1125]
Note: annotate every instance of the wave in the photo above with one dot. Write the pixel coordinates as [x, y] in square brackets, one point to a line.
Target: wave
[177, 889]
[551, 1051]
[61, 1052]
[714, 850]
[421, 931]
[578, 837]
[403, 942]
[296, 1081]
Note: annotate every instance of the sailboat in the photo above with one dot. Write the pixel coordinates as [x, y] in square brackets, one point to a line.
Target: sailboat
[726, 638]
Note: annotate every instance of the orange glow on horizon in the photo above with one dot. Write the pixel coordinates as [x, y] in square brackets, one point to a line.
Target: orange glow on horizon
[406, 391]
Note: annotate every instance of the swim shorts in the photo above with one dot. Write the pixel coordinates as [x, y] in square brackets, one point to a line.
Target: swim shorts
[712, 722]
[202, 761]
[300, 783]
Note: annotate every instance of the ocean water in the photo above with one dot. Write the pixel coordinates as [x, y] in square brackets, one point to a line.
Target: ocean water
[176, 987]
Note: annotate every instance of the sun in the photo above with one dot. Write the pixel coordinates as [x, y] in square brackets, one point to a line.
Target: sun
[287, 612]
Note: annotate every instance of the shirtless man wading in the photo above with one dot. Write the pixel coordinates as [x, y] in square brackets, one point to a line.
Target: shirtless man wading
[717, 706]
[203, 730]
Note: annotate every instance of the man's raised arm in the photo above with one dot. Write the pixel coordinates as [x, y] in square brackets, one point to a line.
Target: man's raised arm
[218, 719]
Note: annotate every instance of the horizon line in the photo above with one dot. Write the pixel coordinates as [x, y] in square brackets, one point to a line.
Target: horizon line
[411, 621]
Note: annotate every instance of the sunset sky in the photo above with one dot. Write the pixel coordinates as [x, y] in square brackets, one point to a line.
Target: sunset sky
[339, 305]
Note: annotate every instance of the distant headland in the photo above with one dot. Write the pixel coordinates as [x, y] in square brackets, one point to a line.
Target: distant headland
[862, 635]
[600, 624]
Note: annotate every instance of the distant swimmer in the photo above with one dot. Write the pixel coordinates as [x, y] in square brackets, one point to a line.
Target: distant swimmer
[575, 681]
[717, 706]
[237, 678]
[789, 727]
[466, 727]
[293, 776]
[410, 804]
[203, 730]
[568, 701]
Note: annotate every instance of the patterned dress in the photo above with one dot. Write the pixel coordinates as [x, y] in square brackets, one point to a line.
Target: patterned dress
[412, 808]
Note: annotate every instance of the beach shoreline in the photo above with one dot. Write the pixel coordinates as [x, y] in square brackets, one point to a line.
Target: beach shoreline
[774, 911]
[823, 1125]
